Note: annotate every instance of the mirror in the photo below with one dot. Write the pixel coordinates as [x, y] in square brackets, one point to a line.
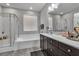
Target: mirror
[76, 20]
[60, 21]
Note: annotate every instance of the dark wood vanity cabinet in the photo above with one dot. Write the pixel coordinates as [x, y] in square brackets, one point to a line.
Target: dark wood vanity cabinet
[55, 48]
[50, 46]
[68, 49]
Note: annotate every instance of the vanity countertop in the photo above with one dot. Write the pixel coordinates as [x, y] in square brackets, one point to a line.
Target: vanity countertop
[62, 39]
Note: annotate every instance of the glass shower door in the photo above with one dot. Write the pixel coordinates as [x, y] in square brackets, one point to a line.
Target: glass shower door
[5, 30]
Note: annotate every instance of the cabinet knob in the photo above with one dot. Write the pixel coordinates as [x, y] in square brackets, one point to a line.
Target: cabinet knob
[50, 49]
[69, 50]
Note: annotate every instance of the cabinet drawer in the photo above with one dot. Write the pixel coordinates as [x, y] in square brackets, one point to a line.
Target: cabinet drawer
[53, 50]
[63, 46]
[55, 43]
[73, 51]
[49, 49]
[68, 49]
[58, 52]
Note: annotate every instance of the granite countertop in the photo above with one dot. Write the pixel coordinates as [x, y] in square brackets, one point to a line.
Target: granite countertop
[62, 39]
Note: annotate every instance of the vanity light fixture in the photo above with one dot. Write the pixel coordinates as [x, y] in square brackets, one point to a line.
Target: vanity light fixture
[50, 8]
[54, 5]
[7, 4]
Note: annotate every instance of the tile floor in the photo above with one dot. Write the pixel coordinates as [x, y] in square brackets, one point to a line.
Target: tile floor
[21, 52]
[38, 53]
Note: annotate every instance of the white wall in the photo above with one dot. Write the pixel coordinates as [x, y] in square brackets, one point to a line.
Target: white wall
[44, 17]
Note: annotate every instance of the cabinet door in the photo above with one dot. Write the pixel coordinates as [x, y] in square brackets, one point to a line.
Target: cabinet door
[50, 40]
[73, 51]
[55, 43]
[45, 43]
[68, 49]
[41, 42]
[58, 52]
[50, 52]
[53, 49]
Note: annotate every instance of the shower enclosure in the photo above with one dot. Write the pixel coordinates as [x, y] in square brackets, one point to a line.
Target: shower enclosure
[8, 29]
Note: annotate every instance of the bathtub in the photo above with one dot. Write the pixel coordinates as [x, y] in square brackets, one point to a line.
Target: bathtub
[27, 41]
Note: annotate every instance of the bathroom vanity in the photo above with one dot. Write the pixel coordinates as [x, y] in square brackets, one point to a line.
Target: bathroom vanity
[57, 45]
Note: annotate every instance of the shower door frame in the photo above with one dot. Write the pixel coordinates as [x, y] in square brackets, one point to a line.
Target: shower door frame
[12, 42]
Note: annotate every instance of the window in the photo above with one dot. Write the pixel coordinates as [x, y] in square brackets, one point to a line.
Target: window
[30, 23]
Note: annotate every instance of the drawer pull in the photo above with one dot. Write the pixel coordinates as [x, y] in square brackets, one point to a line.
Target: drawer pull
[69, 50]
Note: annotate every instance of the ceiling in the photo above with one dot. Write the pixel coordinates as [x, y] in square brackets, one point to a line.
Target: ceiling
[25, 6]
[65, 8]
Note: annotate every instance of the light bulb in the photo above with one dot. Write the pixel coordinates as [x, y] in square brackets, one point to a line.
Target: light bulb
[50, 8]
[54, 5]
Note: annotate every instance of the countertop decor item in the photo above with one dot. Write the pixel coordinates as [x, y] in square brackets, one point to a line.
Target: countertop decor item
[42, 26]
[0, 38]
